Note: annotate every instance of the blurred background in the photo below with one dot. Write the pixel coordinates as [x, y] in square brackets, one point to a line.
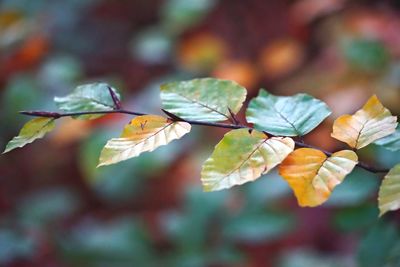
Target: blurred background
[57, 209]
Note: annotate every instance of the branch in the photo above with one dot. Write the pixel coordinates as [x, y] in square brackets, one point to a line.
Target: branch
[115, 99]
[174, 117]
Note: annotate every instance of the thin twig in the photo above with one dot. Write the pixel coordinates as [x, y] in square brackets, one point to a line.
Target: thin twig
[233, 117]
[117, 102]
[174, 117]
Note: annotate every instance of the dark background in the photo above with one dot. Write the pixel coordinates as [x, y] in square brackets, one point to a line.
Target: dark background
[57, 209]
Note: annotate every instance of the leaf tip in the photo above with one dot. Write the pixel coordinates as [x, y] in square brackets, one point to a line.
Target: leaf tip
[100, 164]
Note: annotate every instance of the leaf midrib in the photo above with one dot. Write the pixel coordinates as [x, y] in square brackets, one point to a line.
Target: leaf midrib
[201, 104]
[243, 162]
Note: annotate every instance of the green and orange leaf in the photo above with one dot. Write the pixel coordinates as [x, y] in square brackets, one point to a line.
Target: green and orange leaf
[313, 176]
[32, 130]
[243, 156]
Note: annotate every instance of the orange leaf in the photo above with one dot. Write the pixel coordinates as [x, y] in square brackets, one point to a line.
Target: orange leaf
[313, 176]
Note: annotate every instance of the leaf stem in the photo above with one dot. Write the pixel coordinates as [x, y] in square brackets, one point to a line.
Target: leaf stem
[57, 115]
[115, 99]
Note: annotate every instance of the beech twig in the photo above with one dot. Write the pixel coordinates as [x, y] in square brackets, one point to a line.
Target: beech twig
[174, 117]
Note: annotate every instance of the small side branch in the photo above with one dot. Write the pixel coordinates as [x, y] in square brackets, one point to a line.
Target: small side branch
[117, 102]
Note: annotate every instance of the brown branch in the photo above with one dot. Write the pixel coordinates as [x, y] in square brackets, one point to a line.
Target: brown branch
[115, 99]
[174, 117]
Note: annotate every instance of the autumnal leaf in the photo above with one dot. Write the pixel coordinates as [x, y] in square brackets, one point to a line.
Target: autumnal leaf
[241, 71]
[143, 133]
[202, 52]
[280, 57]
[204, 99]
[389, 192]
[88, 97]
[367, 125]
[390, 142]
[32, 130]
[243, 156]
[313, 176]
[286, 115]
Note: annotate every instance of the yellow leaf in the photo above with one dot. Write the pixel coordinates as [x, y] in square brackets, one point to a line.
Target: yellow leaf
[32, 130]
[143, 133]
[313, 176]
[370, 123]
[389, 191]
[243, 156]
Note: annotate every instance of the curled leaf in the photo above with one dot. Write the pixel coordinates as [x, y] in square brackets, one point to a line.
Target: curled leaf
[367, 125]
[32, 130]
[143, 133]
[243, 156]
[389, 191]
[89, 97]
[286, 115]
[313, 176]
[204, 99]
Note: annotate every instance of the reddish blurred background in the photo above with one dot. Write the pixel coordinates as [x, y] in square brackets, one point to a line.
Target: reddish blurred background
[57, 209]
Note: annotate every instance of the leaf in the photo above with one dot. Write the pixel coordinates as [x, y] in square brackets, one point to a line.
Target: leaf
[204, 99]
[286, 115]
[32, 130]
[258, 227]
[143, 133]
[243, 156]
[366, 55]
[359, 186]
[390, 142]
[368, 124]
[389, 192]
[88, 97]
[313, 176]
[377, 244]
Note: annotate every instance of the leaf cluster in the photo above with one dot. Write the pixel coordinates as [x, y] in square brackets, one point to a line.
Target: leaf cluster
[245, 153]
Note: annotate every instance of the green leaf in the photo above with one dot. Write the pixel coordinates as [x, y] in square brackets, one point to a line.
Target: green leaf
[143, 133]
[375, 248]
[204, 99]
[286, 115]
[259, 226]
[355, 218]
[359, 186]
[366, 55]
[117, 242]
[391, 142]
[243, 156]
[32, 130]
[389, 192]
[88, 97]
